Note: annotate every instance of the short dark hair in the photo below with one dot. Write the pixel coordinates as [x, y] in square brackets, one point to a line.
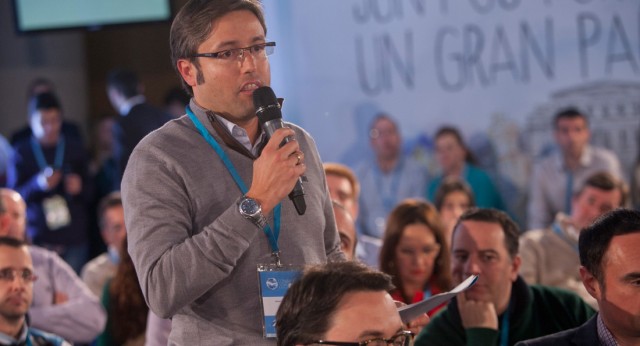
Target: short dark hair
[595, 239]
[12, 242]
[307, 309]
[192, 26]
[124, 81]
[43, 101]
[510, 228]
[114, 199]
[450, 185]
[606, 181]
[568, 113]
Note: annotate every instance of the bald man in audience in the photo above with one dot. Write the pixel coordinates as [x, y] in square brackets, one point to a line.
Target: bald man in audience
[62, 303]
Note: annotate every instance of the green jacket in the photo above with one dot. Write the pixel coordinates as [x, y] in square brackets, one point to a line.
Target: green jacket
[534, 311]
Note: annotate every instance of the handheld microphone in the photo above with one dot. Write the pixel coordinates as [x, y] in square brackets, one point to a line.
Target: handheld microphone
[270, 118]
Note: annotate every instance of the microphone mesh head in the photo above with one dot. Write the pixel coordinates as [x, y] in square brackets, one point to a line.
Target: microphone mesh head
[266, 104]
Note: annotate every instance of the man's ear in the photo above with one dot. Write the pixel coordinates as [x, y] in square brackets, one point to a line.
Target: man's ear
[188, 71]
[591, 283]
[515, 267]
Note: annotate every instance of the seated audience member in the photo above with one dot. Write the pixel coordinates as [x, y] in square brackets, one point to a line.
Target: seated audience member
[550, 256]
[387, 178]
[16, 293]
[62, 304]
[50, 171]
[98, 271]
[456, 160]
[415, 253]
[38, 86]
[556, 177]
[340, 303]
[610, 271]
[126, 308]
[452, 199]
[346, 230]
[500, 307]
[344, 188]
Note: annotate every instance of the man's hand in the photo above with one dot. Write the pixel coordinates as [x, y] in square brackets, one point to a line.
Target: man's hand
[477, 314]
[60, 298]
[418, 323]
[276, 171]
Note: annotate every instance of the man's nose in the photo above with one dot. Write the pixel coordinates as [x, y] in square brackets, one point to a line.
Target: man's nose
[247, 60]
[472, 267]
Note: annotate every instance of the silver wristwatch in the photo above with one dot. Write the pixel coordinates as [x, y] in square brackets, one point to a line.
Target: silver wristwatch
[251, 209]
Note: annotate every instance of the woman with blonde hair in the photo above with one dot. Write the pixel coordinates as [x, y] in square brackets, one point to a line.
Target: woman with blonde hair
[415, 253]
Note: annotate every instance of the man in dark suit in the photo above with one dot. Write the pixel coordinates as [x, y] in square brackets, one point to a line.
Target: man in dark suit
[610, 271]
[138, 118]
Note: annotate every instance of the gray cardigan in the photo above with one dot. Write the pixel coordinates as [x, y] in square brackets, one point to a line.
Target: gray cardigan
[194, 254]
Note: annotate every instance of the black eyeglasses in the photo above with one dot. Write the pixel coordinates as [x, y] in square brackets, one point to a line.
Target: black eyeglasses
[403, 338]
[257, 51]
[9, 274]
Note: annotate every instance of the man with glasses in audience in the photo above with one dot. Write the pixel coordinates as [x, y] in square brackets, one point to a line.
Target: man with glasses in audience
[62, 303]
[387, 178]
[341, 304]
[16, 294]
[205, 196]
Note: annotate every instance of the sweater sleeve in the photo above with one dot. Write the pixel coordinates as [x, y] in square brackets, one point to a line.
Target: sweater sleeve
[169, 255]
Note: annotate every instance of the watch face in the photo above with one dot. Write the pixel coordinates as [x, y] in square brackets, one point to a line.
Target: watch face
[249, 207]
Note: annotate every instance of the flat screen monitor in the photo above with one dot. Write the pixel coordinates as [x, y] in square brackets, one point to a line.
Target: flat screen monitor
[42, 15]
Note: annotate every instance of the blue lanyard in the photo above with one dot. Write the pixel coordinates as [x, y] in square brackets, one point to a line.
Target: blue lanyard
[556, 228]
[504, 330]
[39, 154]
[426, 293]
[271, 235]
[388, 199]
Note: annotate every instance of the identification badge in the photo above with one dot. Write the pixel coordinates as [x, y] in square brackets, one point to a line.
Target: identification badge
[274, 283]
[56, 212]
